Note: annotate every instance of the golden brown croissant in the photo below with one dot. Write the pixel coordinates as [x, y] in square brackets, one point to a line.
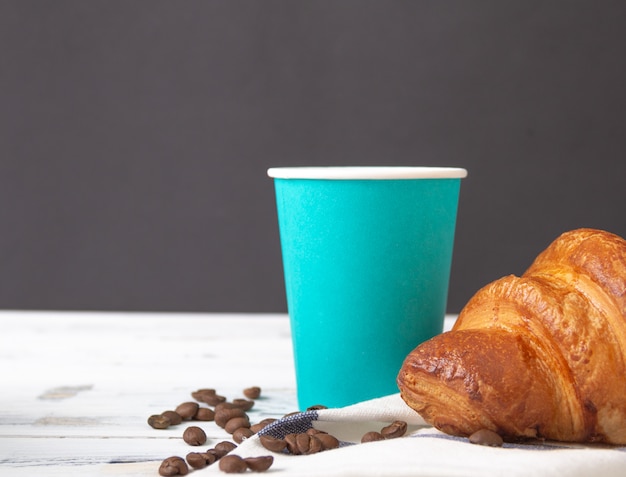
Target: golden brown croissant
[542, 355]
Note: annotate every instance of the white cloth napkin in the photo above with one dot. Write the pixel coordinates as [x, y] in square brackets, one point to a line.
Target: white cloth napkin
[424, 451]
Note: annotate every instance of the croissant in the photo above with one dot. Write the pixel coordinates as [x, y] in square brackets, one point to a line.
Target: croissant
[537, 356]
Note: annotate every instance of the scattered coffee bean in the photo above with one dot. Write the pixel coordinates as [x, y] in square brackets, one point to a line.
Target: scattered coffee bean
[159, 421]
[204, 414]
[225, 414]
[393, 430]
[224, 447]
[213, 400]
[194, 436]
[328, 441]
[213, 455]
[242, 434]
[316, 407]
[245, 404]
[232, 464]
[173, 416]
[259, 464]
[260, 425]
[197, 460]
[372, 436]
[272, 443]
[173, 466]
[235, 423]
[187, 410]
[486, 437]
[253, 392]
[292, 445]
[201, 394]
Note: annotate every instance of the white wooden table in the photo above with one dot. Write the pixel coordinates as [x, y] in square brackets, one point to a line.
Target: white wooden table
[77, 387]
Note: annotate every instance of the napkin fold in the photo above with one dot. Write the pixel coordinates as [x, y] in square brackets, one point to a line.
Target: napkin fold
[424, 451]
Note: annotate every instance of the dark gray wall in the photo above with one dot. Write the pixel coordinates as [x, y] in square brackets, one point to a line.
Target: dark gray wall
[135, 136]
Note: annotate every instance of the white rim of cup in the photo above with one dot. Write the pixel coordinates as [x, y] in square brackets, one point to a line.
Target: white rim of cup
[366, 172]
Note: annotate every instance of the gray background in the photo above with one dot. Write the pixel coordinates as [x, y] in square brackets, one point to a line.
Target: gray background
[135, 136]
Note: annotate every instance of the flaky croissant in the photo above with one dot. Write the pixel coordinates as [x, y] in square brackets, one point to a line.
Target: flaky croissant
[537, 356]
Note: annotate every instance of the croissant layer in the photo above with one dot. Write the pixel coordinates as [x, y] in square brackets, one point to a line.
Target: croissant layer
[542, 355]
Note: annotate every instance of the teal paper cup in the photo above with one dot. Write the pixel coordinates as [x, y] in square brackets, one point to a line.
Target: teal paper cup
[366, 254]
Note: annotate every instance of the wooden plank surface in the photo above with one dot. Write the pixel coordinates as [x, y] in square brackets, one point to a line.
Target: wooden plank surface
[77, 388]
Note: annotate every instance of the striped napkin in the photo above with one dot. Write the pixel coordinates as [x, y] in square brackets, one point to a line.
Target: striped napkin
[423, 451]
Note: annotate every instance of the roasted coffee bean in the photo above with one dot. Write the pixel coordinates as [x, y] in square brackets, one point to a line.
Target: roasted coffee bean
[393, 430]
[328, 441]
[272, 443]
[159, 421]
[235, 423]
[245, 404]
[259, 464]
[486, 437]
[233, 464]
[214, 399]
[204, 414]
[315, 445]
[173, 466]
[213, 455]
[197, 460]
[173, 416]
[292, 444]
[253, 392]
[225, 405]
[224, 447]
[303, 443]
[261, 425]
[187, 410]
[201, 394]
[242, 434]
[194, 436]
[316, 407]
[225, 414]
[372, 436]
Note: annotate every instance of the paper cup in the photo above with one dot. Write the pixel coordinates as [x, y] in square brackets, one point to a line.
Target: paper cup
[366, 253]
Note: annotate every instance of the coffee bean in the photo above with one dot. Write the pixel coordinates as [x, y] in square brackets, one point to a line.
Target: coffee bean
[245, 404]
[224, 447]
[173, 416]
[197, 460]
[159, 421]
[253, 392]
[242, 434]
[261, 425]
[225, 414]
[316, 407]
[328, 441]
[204, 414]
[292, 444]
[393, 430]
[486, 437]
[372, 436]
[202, 394]
[259, 464]
[213, 455]
[194, 436]
[173, 466]
[187, 410]
[235, 423]
[233, 464]
[315, 445]
[214, 399]
[272, 443]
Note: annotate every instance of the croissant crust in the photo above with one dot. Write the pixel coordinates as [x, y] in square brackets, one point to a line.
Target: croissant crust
[537, 356]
